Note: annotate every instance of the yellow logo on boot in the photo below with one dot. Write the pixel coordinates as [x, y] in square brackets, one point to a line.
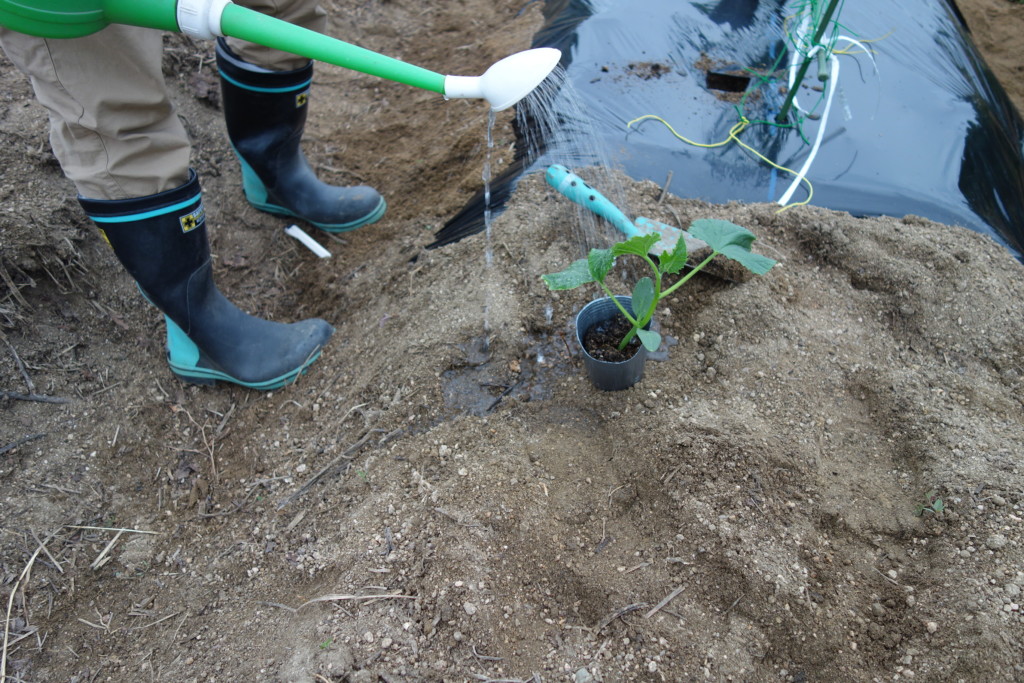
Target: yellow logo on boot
[191, 221]
[301, 99]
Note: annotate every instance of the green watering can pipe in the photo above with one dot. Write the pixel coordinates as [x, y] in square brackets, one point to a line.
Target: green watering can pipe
[206, 19]
[158, 14]
[502, 85]
[241, 22]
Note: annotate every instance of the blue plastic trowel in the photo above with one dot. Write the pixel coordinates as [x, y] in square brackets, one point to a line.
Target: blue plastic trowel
[574, 187]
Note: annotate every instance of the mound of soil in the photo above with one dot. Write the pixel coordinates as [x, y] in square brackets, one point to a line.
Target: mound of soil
[820, 479]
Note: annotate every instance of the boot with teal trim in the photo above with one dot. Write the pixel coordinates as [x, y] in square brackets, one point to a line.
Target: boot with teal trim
[162, 241]
[265, 112]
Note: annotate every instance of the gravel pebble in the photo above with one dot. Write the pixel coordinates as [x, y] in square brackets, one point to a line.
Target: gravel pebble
[995, 541]
[583, 676]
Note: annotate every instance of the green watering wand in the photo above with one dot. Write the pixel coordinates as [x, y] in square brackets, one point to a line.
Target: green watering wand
[502, 85]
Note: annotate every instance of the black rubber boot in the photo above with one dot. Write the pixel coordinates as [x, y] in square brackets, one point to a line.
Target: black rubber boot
[161, 240]
[265, 112]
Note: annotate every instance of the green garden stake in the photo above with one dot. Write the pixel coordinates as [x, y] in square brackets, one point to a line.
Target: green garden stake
[822, 66]
[818, 33]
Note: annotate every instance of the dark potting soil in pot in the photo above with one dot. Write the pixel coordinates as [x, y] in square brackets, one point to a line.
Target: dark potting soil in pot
[602, 340]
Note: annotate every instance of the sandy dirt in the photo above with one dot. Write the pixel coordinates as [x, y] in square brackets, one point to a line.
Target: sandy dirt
[416, 509]
[995, 28]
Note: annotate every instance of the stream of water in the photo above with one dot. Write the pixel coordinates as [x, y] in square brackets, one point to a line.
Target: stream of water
[489, 243]
[553, 128]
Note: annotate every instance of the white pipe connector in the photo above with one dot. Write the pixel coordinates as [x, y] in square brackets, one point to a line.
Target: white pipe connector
[200, 19]
[508, 80]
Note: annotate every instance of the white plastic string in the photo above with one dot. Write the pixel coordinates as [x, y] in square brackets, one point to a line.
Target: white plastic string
[832, 88]
[862, 46]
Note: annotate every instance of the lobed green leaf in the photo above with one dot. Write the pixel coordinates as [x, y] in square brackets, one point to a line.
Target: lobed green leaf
[673, 261]
[731, 241]
[720, 234]
[639, 245]
[600, 262]
[572, 277]
[753, 262]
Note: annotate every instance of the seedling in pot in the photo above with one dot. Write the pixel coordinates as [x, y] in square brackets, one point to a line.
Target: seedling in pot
[723, 237]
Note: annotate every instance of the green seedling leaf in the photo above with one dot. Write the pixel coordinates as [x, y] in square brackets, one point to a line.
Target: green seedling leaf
[673, 261]
[600, 261]
[639, 245]
[651, 340]
[572, 277]
[643, 297]
[932, 503]
[756, 263]
[720, 234]
[732, 241]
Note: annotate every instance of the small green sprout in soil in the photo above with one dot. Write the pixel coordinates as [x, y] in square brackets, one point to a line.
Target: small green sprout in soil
[932, 503]
[725, 238]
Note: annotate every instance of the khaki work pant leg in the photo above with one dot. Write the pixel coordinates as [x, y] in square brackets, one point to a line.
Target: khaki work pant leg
[112, 126]
[304, 13]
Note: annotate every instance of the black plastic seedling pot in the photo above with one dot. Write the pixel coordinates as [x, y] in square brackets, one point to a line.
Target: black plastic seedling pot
[606, 375]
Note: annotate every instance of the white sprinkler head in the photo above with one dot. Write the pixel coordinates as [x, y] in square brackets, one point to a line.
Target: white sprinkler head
[508, 80]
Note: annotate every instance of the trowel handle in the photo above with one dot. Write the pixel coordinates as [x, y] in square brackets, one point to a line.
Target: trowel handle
[573, 187]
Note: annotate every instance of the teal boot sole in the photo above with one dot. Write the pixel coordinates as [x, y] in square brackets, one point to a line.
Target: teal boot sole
[256, 194]
[188, 364]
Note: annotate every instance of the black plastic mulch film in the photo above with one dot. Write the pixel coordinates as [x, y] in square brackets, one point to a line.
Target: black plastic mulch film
[913, 123]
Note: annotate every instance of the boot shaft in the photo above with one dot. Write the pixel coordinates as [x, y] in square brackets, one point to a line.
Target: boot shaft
[265, 111]
[160, 239]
